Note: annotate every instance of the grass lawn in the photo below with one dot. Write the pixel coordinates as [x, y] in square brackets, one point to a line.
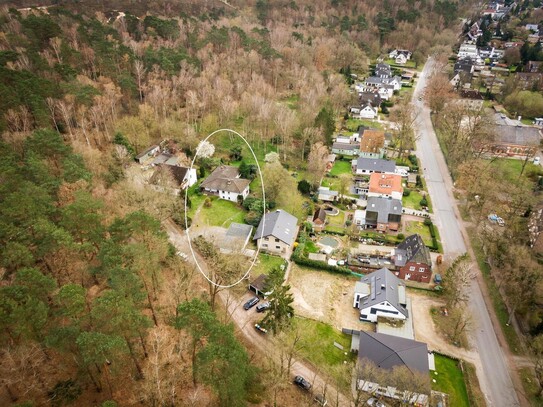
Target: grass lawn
[352, 124]
[221, 213]
[412, 227]
[413, 200]
[310, 247]
[529, 384]
[450, 380]
[196, 200]
[341, 167]
[510, 169]
[317, 346]
[266, 263]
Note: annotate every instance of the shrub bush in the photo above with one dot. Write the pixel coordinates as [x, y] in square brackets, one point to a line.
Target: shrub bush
[406, 192]
[401, 236]
[423, 202]
[427, 222]
[302, 261]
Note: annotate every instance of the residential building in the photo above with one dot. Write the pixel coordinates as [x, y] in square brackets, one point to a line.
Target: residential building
[372, 144]
[468, 50]
[369, 97]
[147, 154]
[276, 232]
[380, 295]
[359, 218]
[383, 214]
[514, 140]
[258, 286]
[319, 219]
[348, 149]
[225, 182]
[326, 195]
[471, 99]
[383, 71]
[412, 260]
[363, 165]
[464, 65]
[366, 111]
[530, 80]
[386, 186]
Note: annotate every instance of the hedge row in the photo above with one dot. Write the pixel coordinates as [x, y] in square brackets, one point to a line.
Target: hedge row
[302, 261]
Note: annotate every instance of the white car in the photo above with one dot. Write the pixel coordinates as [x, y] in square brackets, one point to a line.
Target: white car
[537, 160]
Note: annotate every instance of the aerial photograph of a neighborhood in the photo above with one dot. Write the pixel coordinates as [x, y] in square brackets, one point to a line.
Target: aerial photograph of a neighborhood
[271, 203]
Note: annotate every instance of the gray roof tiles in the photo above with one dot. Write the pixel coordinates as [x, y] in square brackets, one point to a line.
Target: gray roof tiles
[375, 164]
[384, 287]
[388, 351]
[520, 135]
[383, 207]
[224, 178]
[412, 249]
[279, 224]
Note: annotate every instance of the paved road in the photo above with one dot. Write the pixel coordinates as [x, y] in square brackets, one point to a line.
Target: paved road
[494, 378]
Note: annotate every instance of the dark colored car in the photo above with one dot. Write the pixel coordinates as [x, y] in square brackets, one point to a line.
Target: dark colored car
[251, 303]
[263, 307]
[302, 383]
[261, 328]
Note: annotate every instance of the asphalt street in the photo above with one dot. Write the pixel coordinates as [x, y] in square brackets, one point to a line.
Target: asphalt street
[494, 378]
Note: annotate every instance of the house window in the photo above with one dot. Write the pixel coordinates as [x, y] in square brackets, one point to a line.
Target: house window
[276, 240]
[264, 245]
[421, 269]
[412, 268]
[364, 316]
[277, 247]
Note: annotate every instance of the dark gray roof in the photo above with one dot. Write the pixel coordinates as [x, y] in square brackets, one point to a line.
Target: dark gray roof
[375, 164]
[279, 224]
[383, 287]
[412, 249]
[369, 97]
[225, 178]
[521, 135]
[374, 80]
[239, 230]
[383, 207]
[146, 151]
[178, 173]
[465, 65]
[345, 146]
[388, 351]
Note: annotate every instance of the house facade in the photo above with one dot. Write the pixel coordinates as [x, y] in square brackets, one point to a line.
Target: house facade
[348, 149]
[225, 182]
[276, 232]
[147, 154]
[364, 111]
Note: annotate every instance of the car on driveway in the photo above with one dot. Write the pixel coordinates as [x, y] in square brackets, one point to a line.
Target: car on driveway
[251, 303]
[260, 328]
[302, 383]
[263, 307]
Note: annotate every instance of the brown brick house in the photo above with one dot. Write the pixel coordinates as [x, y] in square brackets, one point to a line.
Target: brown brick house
[412, 260]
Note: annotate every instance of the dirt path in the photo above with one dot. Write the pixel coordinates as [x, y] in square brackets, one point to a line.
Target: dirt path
[245, 321]
[425, 330]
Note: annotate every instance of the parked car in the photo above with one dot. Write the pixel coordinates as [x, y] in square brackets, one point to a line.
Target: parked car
[302, 383]
[537, 160]
[251, 303]
[374, 402]
[261, 328]
[263, 307]
[321, 400]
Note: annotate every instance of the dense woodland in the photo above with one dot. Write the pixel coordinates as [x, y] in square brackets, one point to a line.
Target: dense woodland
[94, 305]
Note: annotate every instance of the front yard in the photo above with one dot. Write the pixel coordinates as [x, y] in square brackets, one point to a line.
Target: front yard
[220, 213]
[266, 263]
[316, 344]
[353, 124]
[341, 167]
[413, 200]
[412, 227]
[450, 379]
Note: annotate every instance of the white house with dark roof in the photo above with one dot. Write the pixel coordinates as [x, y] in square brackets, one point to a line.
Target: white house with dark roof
[225, 182]
[276, 232]
[380, 294]
[364, 165]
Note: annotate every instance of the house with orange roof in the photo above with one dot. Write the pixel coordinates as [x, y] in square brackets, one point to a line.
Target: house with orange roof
[372, 144]
[386, 186]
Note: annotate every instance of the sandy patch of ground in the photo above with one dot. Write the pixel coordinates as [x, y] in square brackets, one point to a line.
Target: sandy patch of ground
[325, 297]
[425, 330]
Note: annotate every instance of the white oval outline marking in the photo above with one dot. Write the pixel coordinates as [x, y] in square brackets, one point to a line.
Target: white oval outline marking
[263, 213]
